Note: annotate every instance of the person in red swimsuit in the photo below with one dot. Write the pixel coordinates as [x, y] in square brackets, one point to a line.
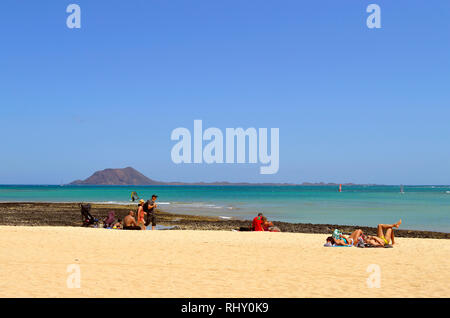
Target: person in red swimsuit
[141, 214]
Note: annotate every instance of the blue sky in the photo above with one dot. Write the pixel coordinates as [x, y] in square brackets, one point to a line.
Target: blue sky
[353, 104]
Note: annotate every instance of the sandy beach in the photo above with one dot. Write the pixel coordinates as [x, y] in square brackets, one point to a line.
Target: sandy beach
[34, 263]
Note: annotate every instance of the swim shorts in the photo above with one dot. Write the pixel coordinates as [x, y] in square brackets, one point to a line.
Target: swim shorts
[151, 218]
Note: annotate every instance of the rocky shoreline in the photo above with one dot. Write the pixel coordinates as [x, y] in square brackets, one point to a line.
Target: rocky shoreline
[68, 214]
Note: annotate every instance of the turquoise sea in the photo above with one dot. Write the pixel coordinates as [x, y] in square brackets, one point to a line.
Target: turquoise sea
[420, 207]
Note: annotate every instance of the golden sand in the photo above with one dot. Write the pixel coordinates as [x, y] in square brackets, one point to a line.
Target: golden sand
[34, 262]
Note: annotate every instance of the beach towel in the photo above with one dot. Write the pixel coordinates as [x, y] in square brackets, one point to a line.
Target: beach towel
[374, 246]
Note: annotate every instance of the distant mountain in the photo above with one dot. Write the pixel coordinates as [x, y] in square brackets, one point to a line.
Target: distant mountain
[130, 176]
[126, 176]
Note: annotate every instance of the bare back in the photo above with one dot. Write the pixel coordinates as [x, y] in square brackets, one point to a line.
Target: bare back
[129, 221]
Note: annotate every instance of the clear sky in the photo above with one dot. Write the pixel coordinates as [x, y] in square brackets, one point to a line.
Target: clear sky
[352, 104]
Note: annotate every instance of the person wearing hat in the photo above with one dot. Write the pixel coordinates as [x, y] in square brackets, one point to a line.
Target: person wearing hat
[149, 207]
[141, 214]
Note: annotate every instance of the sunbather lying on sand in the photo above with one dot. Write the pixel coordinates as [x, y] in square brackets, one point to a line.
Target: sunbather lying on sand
[383, 238]
[351, 240]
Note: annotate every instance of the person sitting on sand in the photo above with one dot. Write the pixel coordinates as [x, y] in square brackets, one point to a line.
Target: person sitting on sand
[385, 235]
[129, 223]
[118, 225]
[141, 215]
[268, 226]
[257, 223]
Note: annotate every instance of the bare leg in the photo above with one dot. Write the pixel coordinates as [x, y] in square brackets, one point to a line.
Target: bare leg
[380, 230]
[392, 237]
[387, 226]
[388, 236]
[382, 227]
[355, 236]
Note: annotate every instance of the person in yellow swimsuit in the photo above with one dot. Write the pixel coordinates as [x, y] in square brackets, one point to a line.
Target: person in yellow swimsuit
[385, 234]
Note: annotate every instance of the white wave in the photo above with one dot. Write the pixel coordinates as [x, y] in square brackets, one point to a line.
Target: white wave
[194, 205]
[126, 202]
[113, 202]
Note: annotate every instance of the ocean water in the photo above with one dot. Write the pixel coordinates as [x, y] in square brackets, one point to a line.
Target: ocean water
[420, 207]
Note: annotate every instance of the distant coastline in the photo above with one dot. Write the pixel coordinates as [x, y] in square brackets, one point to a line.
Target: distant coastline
[305, 184]
[131, 177]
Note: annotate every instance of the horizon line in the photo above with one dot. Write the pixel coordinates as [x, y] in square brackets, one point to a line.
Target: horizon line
[215, 183]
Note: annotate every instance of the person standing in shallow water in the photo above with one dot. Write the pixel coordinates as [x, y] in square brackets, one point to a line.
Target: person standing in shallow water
[149, 207]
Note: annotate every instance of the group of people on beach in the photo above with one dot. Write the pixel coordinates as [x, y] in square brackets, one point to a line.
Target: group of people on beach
[145, 216]
[384, 238]
[261, 224]
[385, 232]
